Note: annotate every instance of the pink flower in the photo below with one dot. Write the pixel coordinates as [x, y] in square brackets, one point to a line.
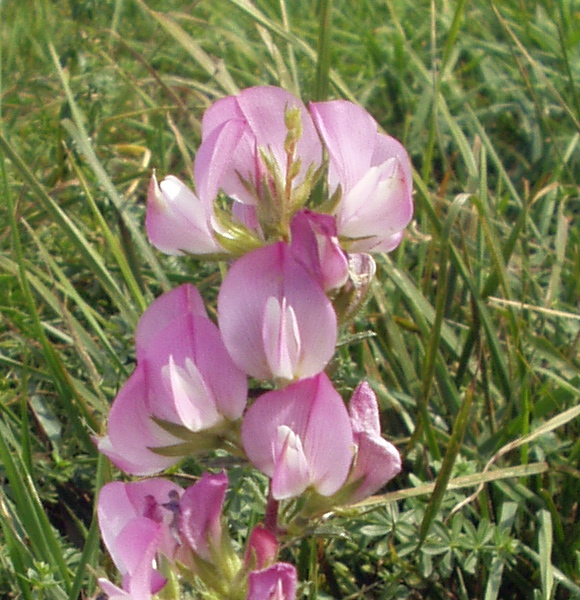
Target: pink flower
[200, 510]
[301, 437]
[374, 173]
[136, 526]
[278, 582]
[184, 299]
[242, 127]
[185, 384]
[131, 433]
[377, 461]
[275, 319]
[177, 221]
[315, 246]
[261, 549]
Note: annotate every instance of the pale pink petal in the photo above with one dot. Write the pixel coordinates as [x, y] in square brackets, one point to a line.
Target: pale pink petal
[329, 449]
[157, 500]
[377, 462]
[387, 243]
[278, 582]
[137, 546]
[193, 401]
[172, 305]
[191, 378]
[247, 215]
[387, 147]
[221, 111]
[184, 376]
[305, 408]
[348, 133]
[244, 162]
[262, 109]
[133, 527]
[214, 157]
[120, 502]
[374, 173]
[377, 206]
[281, 338]
[290, 477]
[242, 302]
[364, 410]
[114, 592]
[131, 432]
[177, 221]
[200, 514]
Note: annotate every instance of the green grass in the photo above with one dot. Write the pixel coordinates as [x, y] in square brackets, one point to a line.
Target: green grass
[476, 346]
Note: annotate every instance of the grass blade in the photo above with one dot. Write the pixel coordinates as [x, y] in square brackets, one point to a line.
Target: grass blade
[321, 80]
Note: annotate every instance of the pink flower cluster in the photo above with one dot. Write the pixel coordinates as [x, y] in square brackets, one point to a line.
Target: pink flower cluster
[293, 197]
[264, 149]
[153, 525]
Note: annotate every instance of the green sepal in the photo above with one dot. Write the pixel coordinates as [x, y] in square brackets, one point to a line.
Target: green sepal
[237, 239]
[329, 205]
[209, 256]
[186, 434]
[203, 444]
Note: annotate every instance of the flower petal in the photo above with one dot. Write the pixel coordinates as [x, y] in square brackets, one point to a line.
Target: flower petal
[177, 221]
[377, 462]
[200, 514]
[348, 133]
[281, 338]
[261, 548]
[315, 246]
[135, 528]
[246, 315]
[114, 592]
[191, 378]
[137, 545]
[374, 173]
[378, 206]
[291, 475]
[184, 299]
[214, 156]
[120, 502]
[364, 410]
[262, 110]
[278, 582]
[302, 408]
[131, 432]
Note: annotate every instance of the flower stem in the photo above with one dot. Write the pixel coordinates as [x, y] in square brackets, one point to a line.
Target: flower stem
[271, 516]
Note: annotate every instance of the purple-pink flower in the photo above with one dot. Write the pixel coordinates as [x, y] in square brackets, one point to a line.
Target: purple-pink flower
[177, 221]
[377, 461]
[262, 148]
[185, 384]
[245, 127]
[261, 549]
[301, 437]
[277, 582]
[136, 527]
[316, 247]
[275, 318]
[200, 511]
[374, 174]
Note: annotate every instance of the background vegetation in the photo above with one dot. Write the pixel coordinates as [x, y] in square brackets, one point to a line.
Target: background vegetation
[475, 329]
